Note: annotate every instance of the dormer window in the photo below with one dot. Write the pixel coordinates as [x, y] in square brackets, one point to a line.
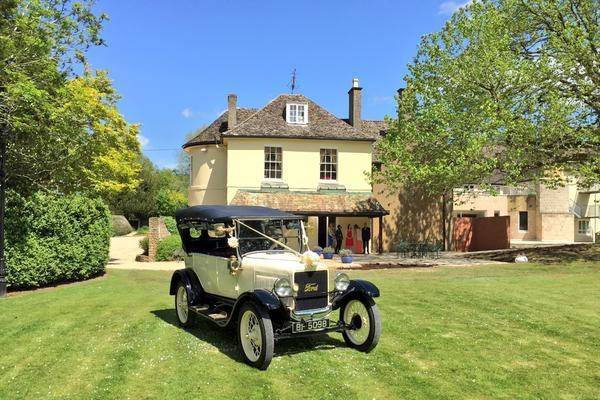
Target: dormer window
[296, 113]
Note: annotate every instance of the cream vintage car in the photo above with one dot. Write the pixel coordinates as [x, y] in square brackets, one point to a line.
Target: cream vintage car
[249, 267]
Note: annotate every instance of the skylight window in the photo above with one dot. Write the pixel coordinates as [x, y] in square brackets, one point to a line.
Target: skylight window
[297, 113]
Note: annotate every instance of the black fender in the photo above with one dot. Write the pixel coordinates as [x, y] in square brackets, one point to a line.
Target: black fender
[356, 288]
[261, 297]
[191, 282]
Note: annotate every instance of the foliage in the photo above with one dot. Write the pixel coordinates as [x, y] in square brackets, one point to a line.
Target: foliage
[171, 224]
[506, 91]
[169, 249]
[168, 201]
[499, 331]
[55, 239]
[143, 230]
[345, 253]
[328, 250]
[120, 225]
[144, 244]
[64, 131]
[160, 192]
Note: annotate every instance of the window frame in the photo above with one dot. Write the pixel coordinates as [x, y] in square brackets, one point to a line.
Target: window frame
[336, 164]
[526, 213]
[280, 162]
[587, 231]
[288, 114]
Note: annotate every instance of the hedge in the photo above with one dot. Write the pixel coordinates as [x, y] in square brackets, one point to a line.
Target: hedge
[169, 249]
[53, 239]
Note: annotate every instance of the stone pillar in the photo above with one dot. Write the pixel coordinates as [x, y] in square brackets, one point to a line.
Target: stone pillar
[157, 231]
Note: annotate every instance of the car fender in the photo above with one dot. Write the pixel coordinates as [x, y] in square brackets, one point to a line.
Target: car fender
[261, 297]
[191, 282]
[356, 288]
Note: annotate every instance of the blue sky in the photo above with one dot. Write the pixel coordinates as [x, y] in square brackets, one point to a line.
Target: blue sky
[174, 62]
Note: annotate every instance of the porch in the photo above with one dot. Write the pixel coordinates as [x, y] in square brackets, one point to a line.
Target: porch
[351, 211]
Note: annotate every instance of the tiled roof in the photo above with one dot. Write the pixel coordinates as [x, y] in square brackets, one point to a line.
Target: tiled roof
[270, 121]
[313, 203]
[212, 133]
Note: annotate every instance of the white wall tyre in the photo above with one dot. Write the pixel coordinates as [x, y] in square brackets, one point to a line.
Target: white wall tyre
[185, 317]
[364, 316]
[255, 336]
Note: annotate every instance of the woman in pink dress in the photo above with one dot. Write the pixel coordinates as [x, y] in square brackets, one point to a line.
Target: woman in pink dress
[349, 238]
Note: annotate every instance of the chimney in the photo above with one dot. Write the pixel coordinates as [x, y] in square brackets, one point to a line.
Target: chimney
[231, 111]
[354, 105]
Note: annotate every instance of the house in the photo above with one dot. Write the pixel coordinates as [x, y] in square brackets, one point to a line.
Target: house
[565, 214]
[293, 155]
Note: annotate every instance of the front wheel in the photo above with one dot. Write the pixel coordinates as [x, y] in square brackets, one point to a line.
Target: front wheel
[363, 317]
[255, 336]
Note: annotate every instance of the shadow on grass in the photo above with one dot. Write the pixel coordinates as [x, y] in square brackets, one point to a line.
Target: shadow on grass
[546, 255]
[224, 339]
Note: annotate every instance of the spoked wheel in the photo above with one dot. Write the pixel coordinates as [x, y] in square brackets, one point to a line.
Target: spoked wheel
[185, 317]
[255, 335]
[363, 316]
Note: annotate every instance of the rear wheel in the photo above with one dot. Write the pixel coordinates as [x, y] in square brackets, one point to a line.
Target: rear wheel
[185, 317]
[363, 316]
[255, 336]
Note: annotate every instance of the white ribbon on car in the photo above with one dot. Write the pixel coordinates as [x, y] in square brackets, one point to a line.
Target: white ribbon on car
[309, 257]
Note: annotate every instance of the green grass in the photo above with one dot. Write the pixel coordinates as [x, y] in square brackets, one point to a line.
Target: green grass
[508, 331]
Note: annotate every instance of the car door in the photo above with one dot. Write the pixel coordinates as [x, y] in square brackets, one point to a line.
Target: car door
[204, 266]
[226, 281]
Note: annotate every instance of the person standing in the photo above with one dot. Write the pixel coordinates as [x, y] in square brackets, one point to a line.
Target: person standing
[349, 238]
[366, 238]
[339, 238]
[331, 235]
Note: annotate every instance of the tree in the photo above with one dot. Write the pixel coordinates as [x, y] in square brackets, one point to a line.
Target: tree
[160, 192]
[63, 130]
[507, 90]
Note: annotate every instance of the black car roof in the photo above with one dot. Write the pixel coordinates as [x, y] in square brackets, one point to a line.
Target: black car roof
[227, 213]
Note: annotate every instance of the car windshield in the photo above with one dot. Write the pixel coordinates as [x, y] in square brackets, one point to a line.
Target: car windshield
[287, 232]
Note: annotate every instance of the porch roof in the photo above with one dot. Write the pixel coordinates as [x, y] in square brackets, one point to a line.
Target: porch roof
[313, 203]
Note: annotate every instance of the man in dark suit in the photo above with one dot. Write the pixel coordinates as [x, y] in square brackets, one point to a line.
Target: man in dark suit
[366, 238]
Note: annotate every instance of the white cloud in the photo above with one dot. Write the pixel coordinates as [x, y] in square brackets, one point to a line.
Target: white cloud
[187, 113]
[143, 140]
[449, 7]
[381, 99]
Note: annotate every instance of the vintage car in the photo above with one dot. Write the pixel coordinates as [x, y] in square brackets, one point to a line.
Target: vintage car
[249, 268]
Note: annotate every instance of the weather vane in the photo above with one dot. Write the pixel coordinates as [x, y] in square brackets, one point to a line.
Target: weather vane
[292, 83]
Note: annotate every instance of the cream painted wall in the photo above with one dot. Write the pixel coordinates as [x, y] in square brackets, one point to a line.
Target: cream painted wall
[481, 204]
[245, 163]
[208, 175]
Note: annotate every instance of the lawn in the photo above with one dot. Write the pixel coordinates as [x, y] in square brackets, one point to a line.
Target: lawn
[509, 331]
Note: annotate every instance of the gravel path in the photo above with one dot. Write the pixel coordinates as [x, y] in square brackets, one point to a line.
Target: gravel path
[124, 249]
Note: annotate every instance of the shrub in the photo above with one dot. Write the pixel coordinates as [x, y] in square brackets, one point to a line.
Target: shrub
[53, 239]
[120, 225]
[170, 224]
[143, 230]
[328, 250]
[169, 249]
[144, 244]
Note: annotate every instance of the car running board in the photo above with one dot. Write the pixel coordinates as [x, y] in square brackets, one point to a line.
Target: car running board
[220, 317]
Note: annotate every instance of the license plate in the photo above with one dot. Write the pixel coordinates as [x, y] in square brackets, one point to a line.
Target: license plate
[306, 326]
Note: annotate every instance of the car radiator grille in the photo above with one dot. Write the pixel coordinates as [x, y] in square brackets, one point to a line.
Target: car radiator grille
[312, 290]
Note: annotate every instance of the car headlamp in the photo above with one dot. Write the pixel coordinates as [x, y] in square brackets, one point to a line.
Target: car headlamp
[283, 287]
[341, 281]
